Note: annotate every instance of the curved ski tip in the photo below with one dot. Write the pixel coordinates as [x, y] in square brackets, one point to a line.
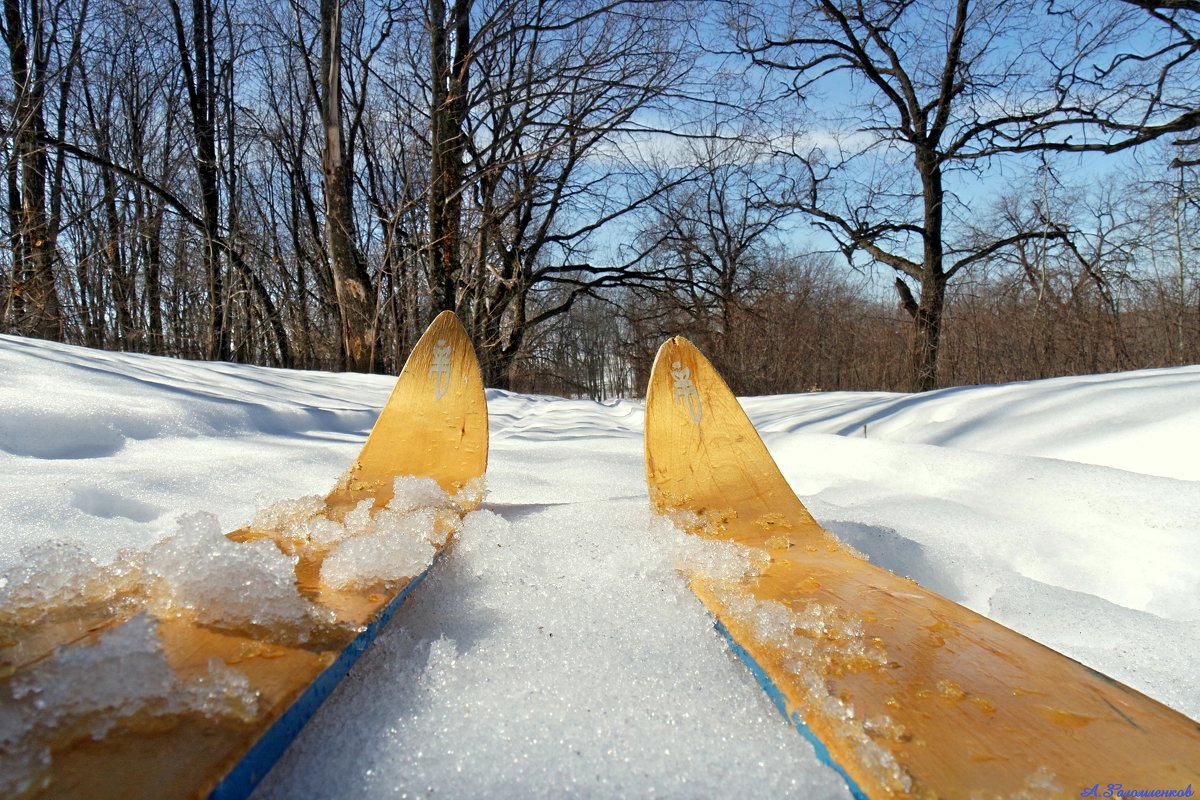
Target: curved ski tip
[669, 355]
[675, 345]
[447, 318]
[677, 341]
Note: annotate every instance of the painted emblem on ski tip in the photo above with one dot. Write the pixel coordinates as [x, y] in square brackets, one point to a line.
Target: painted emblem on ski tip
[439, 370]
[685, 390]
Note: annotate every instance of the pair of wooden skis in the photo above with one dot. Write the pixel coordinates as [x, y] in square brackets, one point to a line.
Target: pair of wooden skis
[903, 692]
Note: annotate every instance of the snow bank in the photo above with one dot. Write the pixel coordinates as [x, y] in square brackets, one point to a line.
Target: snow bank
[1146, 421]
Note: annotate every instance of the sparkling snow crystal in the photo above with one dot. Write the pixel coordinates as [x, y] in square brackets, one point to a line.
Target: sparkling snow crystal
[232, 585]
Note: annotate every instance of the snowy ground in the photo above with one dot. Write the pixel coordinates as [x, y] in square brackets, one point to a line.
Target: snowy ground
[555, 650]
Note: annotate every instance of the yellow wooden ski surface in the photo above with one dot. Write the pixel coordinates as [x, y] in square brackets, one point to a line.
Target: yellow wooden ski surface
[434, 425]
[904, 692]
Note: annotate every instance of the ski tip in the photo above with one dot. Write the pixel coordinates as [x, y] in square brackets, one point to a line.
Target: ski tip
[434, 424]
[674, 347]
[683, 384]
[703, 454]
[446, 318]
[446, 328]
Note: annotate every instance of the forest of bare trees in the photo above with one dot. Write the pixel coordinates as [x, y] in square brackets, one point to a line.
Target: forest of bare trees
[823, 194]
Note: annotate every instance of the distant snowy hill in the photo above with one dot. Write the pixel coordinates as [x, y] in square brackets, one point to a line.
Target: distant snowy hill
[556, 650]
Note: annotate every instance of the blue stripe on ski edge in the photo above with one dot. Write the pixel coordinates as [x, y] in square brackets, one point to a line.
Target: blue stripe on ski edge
[246, 774]
[769, 686]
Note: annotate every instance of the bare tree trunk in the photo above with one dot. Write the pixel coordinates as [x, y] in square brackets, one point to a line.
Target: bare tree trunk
[150, 215]
[928, 317]
[120, 277]
[196, 58]
[14, 303]
[36, 302]
[156, 344]
[1178, 209]
[355, 293]
[928, 334]
[450, 73]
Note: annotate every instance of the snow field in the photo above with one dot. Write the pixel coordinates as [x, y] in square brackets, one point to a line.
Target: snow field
[1065, 509]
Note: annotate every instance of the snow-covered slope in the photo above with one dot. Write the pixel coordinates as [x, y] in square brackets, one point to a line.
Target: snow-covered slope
[556, 650]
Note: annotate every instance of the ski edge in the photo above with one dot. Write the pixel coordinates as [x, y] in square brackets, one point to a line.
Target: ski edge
[773, 691]
[240, 781]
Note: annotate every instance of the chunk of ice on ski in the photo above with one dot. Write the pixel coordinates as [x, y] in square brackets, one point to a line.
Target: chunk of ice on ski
[472, 494]
[321, 532]
[125, 673]
[287, 515]
[302, 521]
[92, 687]
[389, 547]
[358, 521]
[24, 761]
[775, 622]
[713, 558]
[53, 573]
[1041, 785]
[234, 585]
[121, 673]
[412, 493]
[223, 691]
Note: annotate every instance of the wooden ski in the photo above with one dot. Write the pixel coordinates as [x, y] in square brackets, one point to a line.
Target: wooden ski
[434, 425]
[904, 692]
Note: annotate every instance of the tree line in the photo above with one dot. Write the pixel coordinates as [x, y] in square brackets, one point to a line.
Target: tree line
[823, 193]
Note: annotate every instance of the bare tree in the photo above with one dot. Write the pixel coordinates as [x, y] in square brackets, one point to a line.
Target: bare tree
[1153, 77]
[555, 157]
[43, 41]
[716, 234]
[450, 64]
[931, 92]
[195, 42]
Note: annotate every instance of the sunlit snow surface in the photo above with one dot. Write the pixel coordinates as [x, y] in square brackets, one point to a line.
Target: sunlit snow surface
[556, 650]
